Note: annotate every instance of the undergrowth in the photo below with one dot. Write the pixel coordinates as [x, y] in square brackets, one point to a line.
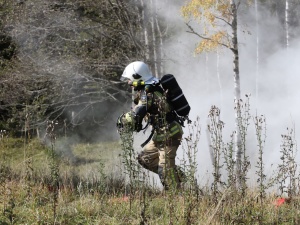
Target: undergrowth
[56, 182]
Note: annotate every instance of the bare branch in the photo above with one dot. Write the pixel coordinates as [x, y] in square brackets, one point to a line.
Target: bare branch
[223, 20]
[192, 31]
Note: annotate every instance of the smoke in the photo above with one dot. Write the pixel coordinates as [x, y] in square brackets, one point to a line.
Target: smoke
[49, 38]
[268, 75]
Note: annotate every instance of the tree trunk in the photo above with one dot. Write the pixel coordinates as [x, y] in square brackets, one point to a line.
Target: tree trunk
[219, 78]
[159, 45]
[257, 52]
[154, 41]
[145, 31]
[237, 90]
[287, 23]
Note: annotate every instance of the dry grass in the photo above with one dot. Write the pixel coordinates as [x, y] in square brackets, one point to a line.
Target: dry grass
[91, 193]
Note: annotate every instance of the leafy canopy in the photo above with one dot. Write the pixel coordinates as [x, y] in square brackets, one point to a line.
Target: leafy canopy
[215, 17]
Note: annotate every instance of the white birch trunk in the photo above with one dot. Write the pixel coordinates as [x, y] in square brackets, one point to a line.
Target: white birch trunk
[287, 23]
[237, 90]
[219, 78]
[145, 30]
[153, 28]
[159, 46]
[257, 53]
[206, 73]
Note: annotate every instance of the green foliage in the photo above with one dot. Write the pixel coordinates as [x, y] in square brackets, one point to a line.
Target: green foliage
[215, 127]
[260, 128]
[287, 177]
[242, 110]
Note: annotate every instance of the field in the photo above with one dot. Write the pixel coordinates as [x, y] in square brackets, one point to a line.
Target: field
[87, 184]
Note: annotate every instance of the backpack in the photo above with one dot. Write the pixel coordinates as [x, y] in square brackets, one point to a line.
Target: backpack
[175, 95]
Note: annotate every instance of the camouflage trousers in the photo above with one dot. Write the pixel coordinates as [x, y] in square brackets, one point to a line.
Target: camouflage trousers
[159, 157]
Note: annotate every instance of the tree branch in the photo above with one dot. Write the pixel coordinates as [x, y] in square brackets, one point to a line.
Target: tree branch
[192, 31]
[223, 20]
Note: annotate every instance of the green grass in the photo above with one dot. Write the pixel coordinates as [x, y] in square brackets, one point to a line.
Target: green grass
[92, 191]
[85, 159]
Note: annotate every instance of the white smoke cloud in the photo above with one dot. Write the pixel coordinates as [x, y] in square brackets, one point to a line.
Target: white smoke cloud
[273, 87]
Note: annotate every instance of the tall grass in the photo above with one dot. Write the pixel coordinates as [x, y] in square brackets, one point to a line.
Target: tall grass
[39, 185]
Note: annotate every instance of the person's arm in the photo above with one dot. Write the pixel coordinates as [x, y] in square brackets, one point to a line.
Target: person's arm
[139, 114]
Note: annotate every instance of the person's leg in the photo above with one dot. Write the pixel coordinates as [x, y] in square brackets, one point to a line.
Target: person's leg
[167, 170]
[149, 157]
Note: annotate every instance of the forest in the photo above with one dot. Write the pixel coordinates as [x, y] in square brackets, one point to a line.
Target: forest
[61, 94]
[61, 60]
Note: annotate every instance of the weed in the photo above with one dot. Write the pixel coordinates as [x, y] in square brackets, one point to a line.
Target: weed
[242, 110]
[287, 169]
[215, 127]
[229, 161]
[129, 160]
[53, 186]
[94, 199]
[260, 128]
[9, 207]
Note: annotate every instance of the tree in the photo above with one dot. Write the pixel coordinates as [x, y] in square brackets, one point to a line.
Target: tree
[288, 13]
[219, 21]
[68, 60]
[69, 56]
[152, 34]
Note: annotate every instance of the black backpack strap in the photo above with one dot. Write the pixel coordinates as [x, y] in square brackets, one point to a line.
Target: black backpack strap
[148, 139]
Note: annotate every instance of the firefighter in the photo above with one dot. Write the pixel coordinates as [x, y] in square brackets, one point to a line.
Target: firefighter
[151, 106]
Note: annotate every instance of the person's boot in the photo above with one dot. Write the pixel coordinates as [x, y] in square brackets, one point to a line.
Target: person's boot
[161, 175]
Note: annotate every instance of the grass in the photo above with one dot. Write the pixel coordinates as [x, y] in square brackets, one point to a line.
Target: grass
[103, 209]
[94, 204]
[58, 182]
[80, 160]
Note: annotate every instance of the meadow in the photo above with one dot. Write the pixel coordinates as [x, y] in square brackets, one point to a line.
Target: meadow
[54, 182]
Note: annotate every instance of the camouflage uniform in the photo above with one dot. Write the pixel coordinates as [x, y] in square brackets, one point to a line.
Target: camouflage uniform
[159, 154]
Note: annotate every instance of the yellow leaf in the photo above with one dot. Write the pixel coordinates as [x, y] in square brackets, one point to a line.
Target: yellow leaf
[208, 14]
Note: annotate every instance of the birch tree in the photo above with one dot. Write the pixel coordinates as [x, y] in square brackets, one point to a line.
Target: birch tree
[152, 35]
[288, 14]
[219, 22]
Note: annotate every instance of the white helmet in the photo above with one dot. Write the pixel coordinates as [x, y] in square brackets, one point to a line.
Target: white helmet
[137, 71]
